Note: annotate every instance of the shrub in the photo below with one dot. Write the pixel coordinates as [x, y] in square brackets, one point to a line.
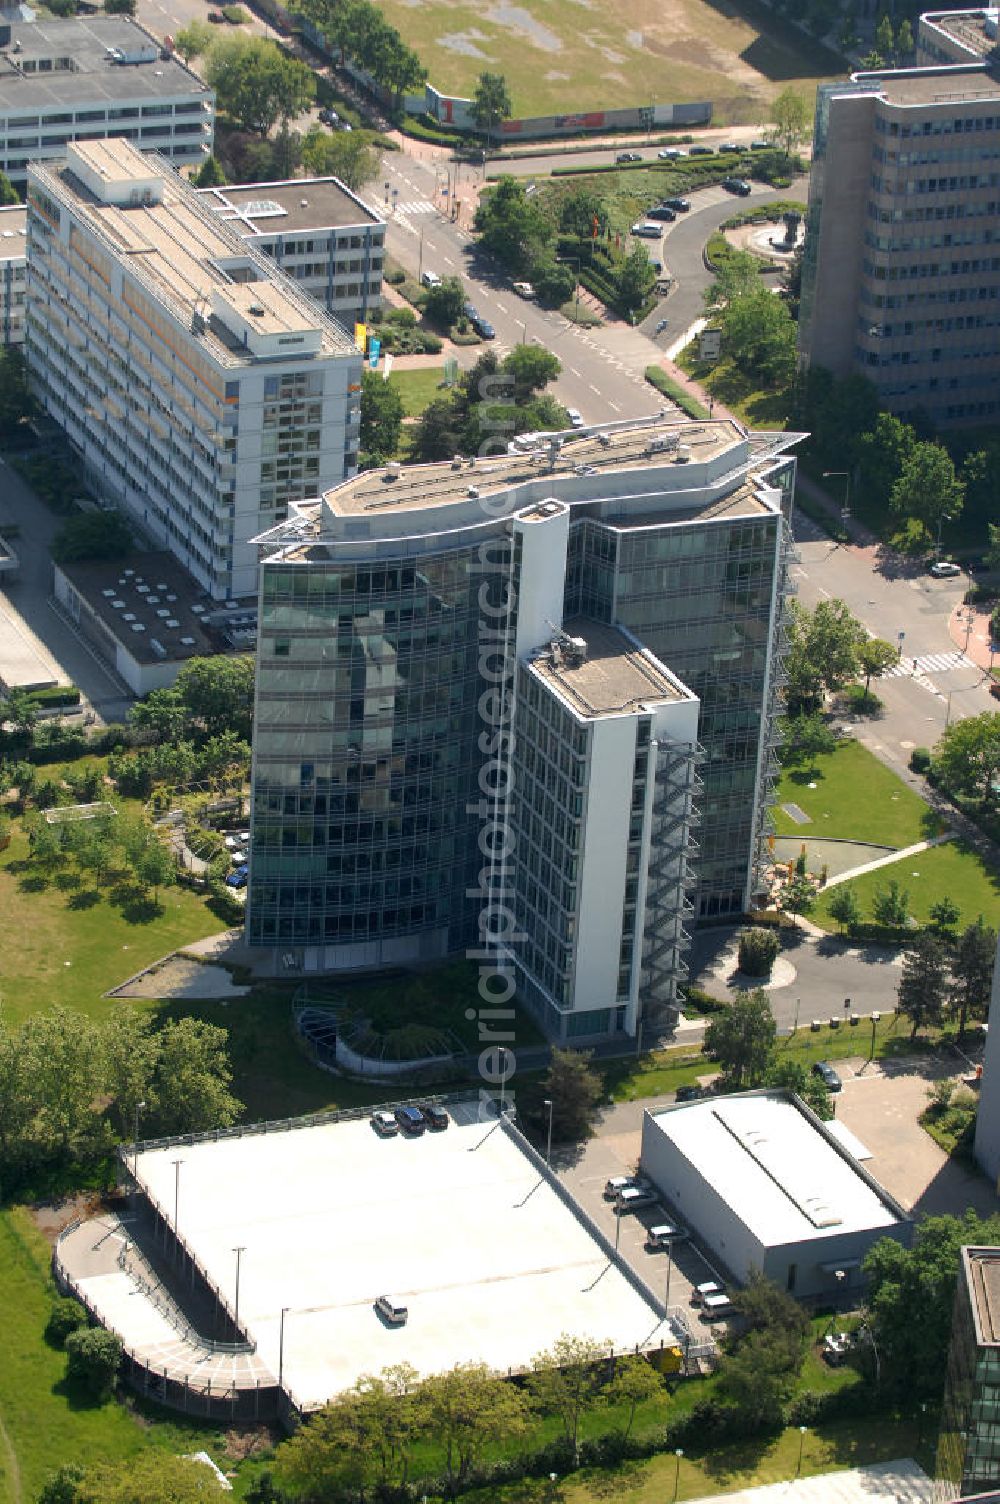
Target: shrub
[920, 759]
[55, 694]
[67, 1316]
[758, 952]
[93, 1357]
[657, 376]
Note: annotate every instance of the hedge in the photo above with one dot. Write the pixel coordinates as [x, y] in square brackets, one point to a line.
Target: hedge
[424, 128]
[55, 694]
[657, 376]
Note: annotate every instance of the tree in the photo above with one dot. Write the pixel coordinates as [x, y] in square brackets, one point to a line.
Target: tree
[967, 757]
[891, 905]
[8, 193]
[882, 453]
[192, 41]
[360, 1441]
[153, 1477]
[798, 895]
[992, 558]
[928, 488]
[758, 951]
[437, 434]
[944, 915]
[19, 710]
[131, 1048]
[347, 155]
[218, 692]
[445, 302]
[904, 37]
[885, 40]
[162, 715]
[512, 226]
[61, 1487]
[823, 648]
[845, 908]
[876, 656]
[972, 973]
[736, 277]
[791, 117]
[923, 985]
[469, 1408]
[790, 1075]
[807, 737]
[190, 1091]
[531, 368]
[381, 418]
[20, 1096]
[94, 535]
[256, 84]
[913, 1354]
[578, 211]
[635, 1383]
[16, 401]
[634, 280]
[209, 174]
[742, 1038]
[92, 1360]
[566, 1381]
[491, 103]
[574, 1090]
[759, 337]
[66, 1316]
[120, 7]
[66, 1060]
[763, 1306]
[554, 283]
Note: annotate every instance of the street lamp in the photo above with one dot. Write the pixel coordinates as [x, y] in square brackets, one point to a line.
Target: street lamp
[139, 1107]
[871, 1052]
[177, 1188]
[618, 1220]
[503, 1076]
[281, 1345]
[844, 475]
[802, 1442]
[941, 522]
[678, 1454]
[236, 1312]
[548, 1143]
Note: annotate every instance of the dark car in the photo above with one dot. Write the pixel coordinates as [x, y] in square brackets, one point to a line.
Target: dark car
[826, 1073]
[433, 1115]
[329, 117]
[661, 211]
[217, 18]
[628, 156]
[679, 205]
[995, 689]
[761, 145]
[688, 1093]
[410, 1119]
[701, 151]
[483, 327]
[731, 146]
[737, 185]
[238, 878]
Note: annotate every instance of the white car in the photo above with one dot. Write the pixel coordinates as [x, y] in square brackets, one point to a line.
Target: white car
[575, 416]
[392, 1310]
[670, 154]
[647, 229]
[431, 279]
[943, 569]
[524, 289]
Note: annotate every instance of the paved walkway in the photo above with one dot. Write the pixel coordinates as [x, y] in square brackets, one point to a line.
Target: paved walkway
[901, 1482]
[887, 861]
[969, 629]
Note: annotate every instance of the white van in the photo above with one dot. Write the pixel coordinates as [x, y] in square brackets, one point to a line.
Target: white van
[431, 279]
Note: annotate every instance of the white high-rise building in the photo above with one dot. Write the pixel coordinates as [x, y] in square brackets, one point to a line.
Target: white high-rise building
[202, 389]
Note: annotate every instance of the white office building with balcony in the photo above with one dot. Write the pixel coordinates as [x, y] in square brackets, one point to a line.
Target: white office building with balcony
[203, 391]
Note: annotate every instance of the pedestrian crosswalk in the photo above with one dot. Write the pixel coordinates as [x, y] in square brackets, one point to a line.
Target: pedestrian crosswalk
[930, 663]
[413, 206]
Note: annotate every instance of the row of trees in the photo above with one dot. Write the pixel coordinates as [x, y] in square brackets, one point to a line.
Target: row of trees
[70, 1086]
[828, 648]
[491, 403]
[358, 30]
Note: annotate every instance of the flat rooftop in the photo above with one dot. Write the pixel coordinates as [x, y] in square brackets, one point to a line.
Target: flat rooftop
[180, 250]
[147, 591]
[13, 232]
[982, 1266]
[785, 1178]
[974, 30]
[616, 675]
[79, 71]
[969, 82]
[459, 1224]
[301, 204]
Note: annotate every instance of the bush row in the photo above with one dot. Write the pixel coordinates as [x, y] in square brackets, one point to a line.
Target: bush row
[657, 376]
[55, 694]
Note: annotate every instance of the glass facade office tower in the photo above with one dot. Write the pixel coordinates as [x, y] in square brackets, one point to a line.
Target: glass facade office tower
[658, 552]
[968, 1455]
[901, 271]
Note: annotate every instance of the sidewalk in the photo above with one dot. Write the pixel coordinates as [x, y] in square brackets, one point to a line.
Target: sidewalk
[969, 629]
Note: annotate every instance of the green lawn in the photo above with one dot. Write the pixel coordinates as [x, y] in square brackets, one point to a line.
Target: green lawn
[559, 57]
[953, 870]
[720, 379]
[856, 798]
[418, 388]
[56, 952]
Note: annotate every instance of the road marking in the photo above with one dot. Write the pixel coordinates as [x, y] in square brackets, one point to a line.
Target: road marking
[594, 388]
[501, 308]
[931, 663]
[824, 592]
[615, 406]
[571, 369]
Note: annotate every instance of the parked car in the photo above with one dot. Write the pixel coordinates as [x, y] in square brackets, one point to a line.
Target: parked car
[660, 326]
[689, 1093]
[662, 211]
[836, 1346]
[704, 1292]
[701, 151]
[633, 1199]
[716, 1307]
[681, 205]
[483, 327]
[575, 417]
[647, 229]
[410, 1119]
[944, 569]
[430, 279]
[217, 18]
[663, 1234]
[825, 1071]
[618, 1183]
[761, 145]
[329, 117]
[524, 289]
[737, 185]
[238, 878]
[629, 156]
[671, 154]
[730, 146]
[385, 1124]
[434, 1116]
[392, 1310]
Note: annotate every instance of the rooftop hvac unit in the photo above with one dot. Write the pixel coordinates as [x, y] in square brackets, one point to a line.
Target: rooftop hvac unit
[173, 622]
[152, 600]
[188, 642]
[157, 647]
[662, 443]
[198, 610]
[161, 585]
[456, 463]
[129, 573]
[137, 626]
[574, 651]
[118, 605]
[169, 596]
[683, 455]
[392, 470]
[129, 616]
[108, 594]
[163, 612]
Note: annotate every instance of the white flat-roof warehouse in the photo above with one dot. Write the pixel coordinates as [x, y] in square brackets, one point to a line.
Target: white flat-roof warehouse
[769, 1187]
[489, 1259]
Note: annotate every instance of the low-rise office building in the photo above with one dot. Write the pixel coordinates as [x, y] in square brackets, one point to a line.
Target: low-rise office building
[767, 1186]
[318, 232]
[93, 77]
[13, 273]
[901, 271]
[202, 389]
